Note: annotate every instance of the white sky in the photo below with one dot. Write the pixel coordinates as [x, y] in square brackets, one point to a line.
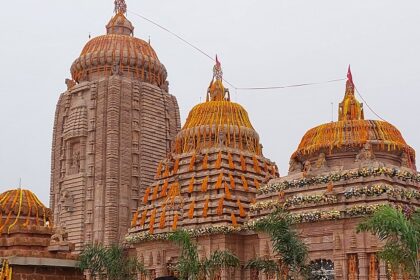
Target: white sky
[260, 43]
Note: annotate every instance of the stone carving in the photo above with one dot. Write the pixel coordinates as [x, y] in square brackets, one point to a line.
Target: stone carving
[59, 237]
[70, 84]
[365, 154]
[294, 166]
[76, 162]
[67, 201]
[307, 168]
[116, 70]
[405, 161]
[321, 163]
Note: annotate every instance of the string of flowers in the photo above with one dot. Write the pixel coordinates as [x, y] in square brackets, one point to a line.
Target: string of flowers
[378, 190]
[294, 201]
[342, 176]
[298, 218]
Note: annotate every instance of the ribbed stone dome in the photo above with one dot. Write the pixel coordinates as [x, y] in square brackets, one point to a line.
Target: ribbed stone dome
[119, 52]
[218, 122]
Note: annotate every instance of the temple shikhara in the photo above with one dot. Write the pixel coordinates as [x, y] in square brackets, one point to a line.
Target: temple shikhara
[124, 171]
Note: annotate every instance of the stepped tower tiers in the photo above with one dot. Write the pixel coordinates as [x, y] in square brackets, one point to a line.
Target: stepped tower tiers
[112, 126]
[341, 172]
[29, 242]
[207, 183]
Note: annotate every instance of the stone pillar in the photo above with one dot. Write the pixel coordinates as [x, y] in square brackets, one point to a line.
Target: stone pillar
[382, 271]
[363, 265]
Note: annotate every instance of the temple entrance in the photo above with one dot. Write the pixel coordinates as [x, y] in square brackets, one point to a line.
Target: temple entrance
[322, 269]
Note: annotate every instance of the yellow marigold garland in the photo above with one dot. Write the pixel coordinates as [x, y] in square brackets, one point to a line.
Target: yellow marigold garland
[242, 212]
[146, 195]
[204, 185]
[134, 220]
[231, 163]
[205, 162]
[232, 181]
[191, 210]
[152, 221]
[191, 185]
[192, 162]
[244, 183]
[162, 218]
[243, 163]
[227, 192]
[233, 218]
[175, 223]
[206, 207]
[219, 160]
[219, 210]
[219, 181]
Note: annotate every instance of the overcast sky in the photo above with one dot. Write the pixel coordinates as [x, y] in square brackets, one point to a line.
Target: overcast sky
[260, 43]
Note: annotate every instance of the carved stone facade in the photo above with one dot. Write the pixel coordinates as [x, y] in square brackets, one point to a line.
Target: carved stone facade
[111, 129]
[340, 173]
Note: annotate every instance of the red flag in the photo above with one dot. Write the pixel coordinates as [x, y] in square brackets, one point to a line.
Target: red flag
[349, 76]
[217, 61]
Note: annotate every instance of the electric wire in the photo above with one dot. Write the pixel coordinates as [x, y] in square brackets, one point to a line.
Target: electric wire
[247, 88]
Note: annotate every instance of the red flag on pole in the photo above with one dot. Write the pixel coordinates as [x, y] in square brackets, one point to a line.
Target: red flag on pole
[349, 76]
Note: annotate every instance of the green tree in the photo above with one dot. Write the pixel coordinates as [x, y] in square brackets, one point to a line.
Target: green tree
[287, 244]
[190, 267]
[112, 263]
[401, 233]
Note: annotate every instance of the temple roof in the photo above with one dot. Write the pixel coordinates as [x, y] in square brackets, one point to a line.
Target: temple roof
[22, 208]
[213, 172]
[119, 52]
[217, 121]
[351, 130]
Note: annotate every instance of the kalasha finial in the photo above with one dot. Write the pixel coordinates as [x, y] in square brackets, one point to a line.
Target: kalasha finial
[120, 7]
[217, 70]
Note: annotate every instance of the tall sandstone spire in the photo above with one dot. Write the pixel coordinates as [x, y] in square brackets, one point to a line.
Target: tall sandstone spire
[112, 126]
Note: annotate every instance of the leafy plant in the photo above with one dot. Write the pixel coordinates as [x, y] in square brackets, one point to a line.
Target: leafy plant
[190, 267]
[287, 244]
[401, 232]
[112, 263]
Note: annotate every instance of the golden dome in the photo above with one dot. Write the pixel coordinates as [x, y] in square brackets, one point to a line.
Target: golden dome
[352, 130]
[217, 122]
[22, 208]
[119, 52]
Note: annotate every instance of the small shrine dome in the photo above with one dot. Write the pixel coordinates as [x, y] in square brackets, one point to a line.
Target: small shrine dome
[22, 208]
[349, 135]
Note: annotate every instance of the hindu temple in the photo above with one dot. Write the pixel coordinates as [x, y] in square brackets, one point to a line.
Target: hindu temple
[112, 126]
[123, 171]
[206, 185]
[341, 172]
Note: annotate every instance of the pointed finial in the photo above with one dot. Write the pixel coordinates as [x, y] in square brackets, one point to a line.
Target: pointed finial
[120, 7]
[217, 70]
[20, 183]
[217, 91]
[350, 108]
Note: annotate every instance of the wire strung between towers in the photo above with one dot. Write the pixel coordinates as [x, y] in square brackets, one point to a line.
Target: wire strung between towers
[212, 59]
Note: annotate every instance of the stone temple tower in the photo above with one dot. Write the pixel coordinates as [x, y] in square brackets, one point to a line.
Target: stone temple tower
[112, 127]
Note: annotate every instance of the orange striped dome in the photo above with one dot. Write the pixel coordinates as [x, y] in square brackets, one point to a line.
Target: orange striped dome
[217, 122]
[119, 51]
[352, 130]
[22, 208]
